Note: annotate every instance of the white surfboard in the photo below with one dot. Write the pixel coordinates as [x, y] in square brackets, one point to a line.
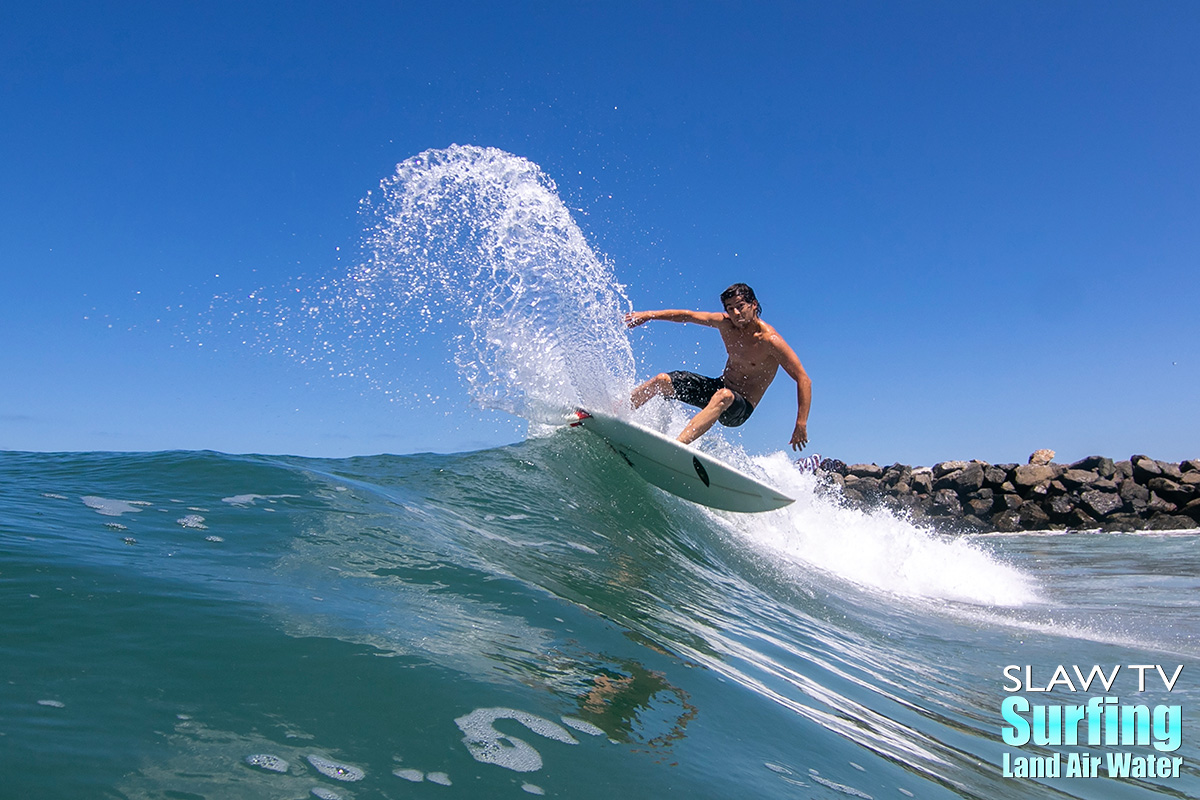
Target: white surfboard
[680, 470]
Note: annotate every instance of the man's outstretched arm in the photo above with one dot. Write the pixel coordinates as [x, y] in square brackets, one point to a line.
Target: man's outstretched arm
[636, 318]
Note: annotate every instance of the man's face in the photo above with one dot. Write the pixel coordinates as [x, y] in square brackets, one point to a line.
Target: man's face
[741, 313]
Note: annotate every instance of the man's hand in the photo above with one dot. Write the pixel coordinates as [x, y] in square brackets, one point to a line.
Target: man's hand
[633, 319]
[800, 436]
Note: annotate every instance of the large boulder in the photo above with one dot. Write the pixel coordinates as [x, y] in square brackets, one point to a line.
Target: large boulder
[1172, 522]
[1033, 517]
[865, 470]
[1041, 457]
[1134, 495]
[1007, 521]
[946, 467]
[1008, 501]
[1177, 492]
[945, 503]
[1124, 522]
[833, 479]
[868, 487]
[1080, 520]
[980, 506]
[897, 474]
[967, 479]
[1028, 476]
[1059, 508]
[1101, 466]
[1145, 468]
[1169, 470]
[1158, 506]
[974, 523]
[994, 476]
[1100, 504]
[1078, 478]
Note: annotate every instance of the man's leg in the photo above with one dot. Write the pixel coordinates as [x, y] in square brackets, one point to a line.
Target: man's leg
[700, 423]
[659, 385]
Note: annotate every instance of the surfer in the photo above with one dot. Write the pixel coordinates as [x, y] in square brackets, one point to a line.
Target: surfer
[756, 352]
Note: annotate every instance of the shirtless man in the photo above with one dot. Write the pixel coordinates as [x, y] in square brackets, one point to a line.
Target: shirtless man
[756, 352]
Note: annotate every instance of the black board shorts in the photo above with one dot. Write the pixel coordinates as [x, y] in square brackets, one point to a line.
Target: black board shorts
[698, 390]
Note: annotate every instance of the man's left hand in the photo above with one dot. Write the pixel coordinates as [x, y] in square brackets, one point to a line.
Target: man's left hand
[800, 436]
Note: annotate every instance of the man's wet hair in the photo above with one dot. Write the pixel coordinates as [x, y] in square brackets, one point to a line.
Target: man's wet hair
[744, 292]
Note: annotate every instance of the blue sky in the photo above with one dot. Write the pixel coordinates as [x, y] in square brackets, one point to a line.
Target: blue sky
[978, 224]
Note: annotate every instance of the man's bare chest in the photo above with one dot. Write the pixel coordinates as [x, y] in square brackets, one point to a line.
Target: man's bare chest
[749, 351]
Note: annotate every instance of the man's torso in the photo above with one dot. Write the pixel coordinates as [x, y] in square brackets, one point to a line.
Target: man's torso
[752, 362]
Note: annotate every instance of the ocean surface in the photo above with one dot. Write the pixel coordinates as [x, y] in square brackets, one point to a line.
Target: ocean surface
[535, 619]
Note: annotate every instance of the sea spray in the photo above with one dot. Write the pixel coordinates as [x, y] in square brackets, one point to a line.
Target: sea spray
[877, 549]
[473, 276]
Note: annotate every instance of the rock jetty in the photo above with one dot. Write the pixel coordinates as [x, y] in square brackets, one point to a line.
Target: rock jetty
[1095, 493]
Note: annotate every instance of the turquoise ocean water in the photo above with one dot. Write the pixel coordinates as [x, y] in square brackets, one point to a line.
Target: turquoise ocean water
[534, 618]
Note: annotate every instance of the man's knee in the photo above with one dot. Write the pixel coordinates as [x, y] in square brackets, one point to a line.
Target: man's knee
[723, 398]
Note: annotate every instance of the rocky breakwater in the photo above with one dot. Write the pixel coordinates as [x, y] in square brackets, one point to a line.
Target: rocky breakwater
[1094, 493]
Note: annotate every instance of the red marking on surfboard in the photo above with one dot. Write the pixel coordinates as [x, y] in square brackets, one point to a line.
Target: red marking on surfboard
[581, 415]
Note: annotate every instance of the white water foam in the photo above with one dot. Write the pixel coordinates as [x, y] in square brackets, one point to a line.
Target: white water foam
[414, 775]
[112, 508]
[489, 746]
[874, 549]
[332, 769]
[268, 762]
